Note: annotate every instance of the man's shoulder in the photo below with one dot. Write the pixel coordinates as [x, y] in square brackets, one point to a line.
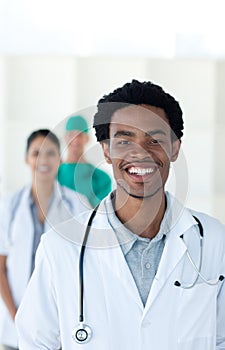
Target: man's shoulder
[65, 234]
[71, 232]
[184, 218]
[208, 222]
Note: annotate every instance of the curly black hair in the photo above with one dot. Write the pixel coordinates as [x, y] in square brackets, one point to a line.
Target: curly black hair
[137, 93]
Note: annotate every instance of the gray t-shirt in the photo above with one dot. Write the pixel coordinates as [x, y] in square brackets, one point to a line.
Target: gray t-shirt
[142, 254]
[39, 228]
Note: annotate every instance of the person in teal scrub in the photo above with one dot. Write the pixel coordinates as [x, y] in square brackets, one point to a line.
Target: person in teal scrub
[76, 173]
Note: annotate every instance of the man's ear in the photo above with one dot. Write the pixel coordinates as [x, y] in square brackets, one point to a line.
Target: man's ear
[105, 148]
[175, 150]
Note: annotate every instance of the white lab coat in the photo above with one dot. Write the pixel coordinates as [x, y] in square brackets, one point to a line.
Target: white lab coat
[173, 318]
[16, 241]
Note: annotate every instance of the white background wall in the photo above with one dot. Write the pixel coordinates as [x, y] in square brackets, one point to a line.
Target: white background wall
[40, 91]
[59, 57]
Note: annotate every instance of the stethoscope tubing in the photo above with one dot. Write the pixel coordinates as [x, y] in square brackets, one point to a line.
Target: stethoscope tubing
[197, 268]
[81, 265]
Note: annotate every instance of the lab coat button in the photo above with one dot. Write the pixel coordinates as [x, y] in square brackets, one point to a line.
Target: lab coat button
[147, 266]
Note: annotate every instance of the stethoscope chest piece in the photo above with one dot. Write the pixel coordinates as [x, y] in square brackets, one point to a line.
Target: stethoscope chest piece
[82, 333]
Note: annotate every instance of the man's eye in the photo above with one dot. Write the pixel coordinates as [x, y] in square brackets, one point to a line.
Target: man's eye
[154, 141]
[124, 142]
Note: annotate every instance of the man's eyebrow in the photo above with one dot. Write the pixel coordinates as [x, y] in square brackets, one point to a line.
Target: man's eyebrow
[131, 134]
[123, 133]
[155, 132]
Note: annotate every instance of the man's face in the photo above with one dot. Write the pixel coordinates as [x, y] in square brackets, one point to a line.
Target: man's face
[140, 150]
[76, 141]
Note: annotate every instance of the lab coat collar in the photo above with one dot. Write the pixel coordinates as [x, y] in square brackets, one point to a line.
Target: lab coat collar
[102, 234]
[56, 194]
[57, 204]
[176, 221]
[25, 194]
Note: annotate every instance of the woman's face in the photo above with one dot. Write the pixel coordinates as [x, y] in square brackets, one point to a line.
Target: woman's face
[43, 158]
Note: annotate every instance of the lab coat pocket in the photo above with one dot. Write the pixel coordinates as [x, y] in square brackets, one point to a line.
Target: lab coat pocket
[196, 323]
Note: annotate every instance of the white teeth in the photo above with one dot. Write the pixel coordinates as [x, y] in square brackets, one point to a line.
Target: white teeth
[140, 171]
[43, 168]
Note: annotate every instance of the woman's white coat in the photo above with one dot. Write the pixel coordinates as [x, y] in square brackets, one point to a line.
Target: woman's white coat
[16, 242]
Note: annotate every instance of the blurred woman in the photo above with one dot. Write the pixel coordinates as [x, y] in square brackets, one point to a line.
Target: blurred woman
[24, 216]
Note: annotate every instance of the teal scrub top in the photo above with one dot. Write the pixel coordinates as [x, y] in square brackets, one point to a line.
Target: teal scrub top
[84, 178]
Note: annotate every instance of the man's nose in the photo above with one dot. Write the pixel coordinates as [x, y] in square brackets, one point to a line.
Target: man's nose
[139, 150]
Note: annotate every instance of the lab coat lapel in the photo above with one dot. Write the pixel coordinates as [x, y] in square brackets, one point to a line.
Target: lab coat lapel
[111, 259]
[52, 211]
[24, 216]
[23, 220]
[173, 252]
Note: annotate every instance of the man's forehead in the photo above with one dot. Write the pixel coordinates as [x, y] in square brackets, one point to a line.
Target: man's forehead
[141, 117]
[73, 133]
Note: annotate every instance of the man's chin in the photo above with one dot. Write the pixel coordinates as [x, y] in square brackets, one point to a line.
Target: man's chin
[139, 195]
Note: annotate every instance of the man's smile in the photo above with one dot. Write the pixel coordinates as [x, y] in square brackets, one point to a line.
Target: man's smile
[140, 171]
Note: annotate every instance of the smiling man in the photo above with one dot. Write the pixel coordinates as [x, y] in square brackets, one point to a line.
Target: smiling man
[152, 273]
[140, 157]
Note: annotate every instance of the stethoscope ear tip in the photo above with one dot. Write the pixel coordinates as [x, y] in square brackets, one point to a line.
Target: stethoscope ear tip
[221, 278]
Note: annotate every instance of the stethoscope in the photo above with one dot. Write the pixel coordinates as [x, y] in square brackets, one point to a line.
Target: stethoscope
[82, 333]
[199, 267]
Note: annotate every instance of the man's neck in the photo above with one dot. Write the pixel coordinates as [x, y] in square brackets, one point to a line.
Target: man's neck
[73, 158]
[141, 216]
